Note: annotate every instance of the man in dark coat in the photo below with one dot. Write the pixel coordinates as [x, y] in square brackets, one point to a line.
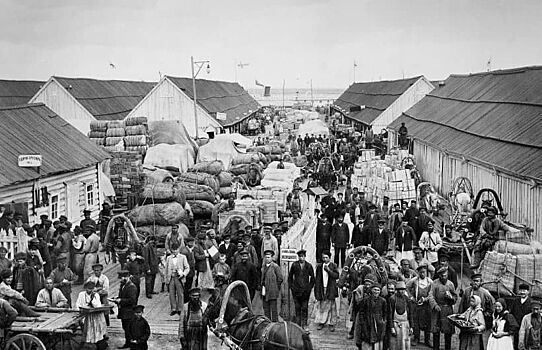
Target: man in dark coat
[126, 302]
[444, 261]
[411, 215]
[301, 282]
[140, 331]
[442, 300]
[340, 206]
[247, 272]
[323, 236]
[188, 252]
[87, 222]
[340, 237]
[405, 239]
[26, 278]
[380, 239]
[372, 217]
[228, 249]
[271, 282]
[421, 223]
[150, 265]
[371, 321]
[357, 235]
[325, 292]
[521, 306]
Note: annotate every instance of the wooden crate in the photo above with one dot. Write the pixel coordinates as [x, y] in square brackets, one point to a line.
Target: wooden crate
[268, 208]
[278, 195]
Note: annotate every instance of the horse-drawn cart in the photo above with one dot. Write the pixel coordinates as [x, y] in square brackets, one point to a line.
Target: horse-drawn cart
[51, 330]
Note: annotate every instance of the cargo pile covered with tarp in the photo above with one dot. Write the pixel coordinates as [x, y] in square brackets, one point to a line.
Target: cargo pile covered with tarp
[313, 127]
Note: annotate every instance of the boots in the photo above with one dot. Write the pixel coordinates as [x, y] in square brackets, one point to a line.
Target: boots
[436, 341]
[163, 287]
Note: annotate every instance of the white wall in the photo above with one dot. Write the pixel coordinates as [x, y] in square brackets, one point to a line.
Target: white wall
[65, 105]
[167, 102]
[56, 185]
[408, 99]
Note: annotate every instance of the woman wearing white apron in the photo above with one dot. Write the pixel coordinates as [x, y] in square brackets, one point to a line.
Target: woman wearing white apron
[504, 328]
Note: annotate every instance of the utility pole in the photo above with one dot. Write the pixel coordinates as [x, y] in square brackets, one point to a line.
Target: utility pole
[200, 65]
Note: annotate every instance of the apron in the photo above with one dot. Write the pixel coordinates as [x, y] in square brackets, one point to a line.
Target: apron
[402, 340]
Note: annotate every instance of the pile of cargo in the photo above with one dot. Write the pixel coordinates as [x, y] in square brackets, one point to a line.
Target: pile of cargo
[126, 174]
[129, 135]
[273, 151]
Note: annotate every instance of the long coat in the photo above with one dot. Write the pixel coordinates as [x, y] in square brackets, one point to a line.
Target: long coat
[301, 280]
[380, 241]
[271, 279]
[439, 320]
[406, 242]
[201, 259]
[128, 300]
[371, 320]
[332, 291]
[140, 331]
[246, 272]
[340, 235]
[323, 234]
[151, 258]
[191, 260]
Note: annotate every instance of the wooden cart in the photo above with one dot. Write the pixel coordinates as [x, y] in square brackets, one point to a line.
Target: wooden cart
[51, 330]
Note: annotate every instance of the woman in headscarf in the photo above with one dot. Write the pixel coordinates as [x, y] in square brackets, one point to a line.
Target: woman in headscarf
[471, 338]
[504, 328]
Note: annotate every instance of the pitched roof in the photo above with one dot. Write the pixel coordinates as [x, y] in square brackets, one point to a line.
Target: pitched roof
[494, 118]
[220, 96]
[375, 96]
[106, 99]
[35, 129]
[17, 92]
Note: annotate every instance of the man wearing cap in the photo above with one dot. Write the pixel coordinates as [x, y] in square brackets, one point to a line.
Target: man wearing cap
[228, 249]
[325, 292]
[372, 320]
[489, 234]
[95, 328]
[270, 283]
[26, 279]
[193, 325]
[135, 265]
[187, 251]
[405, 239]
[530, 332]
[252, 253]
[400, 318]
[521, 306]
[323, 236]
[380, 238]
[139, 330]
[103, 220]
[62, 242]
[172, 238]
[51, 296]
[405, 271]
[420, 260]
[396, 217]
[431, 242]
[116, 242]
[442, 300]
[301, 282]
[101, 282]
[87, 223]
[486, 298]
[247, 272]
[203, 262]
[63, 277]
[92, 244]
[411, 214]
[340, 238]
[421, 222]
[15, 299]
[444, 261]
[177, 269]
[126, 302]
[419, 288]
[5, 263]
[150, 265]
[269, 242]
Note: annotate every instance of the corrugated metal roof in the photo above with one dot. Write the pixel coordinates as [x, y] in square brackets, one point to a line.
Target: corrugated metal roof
[220, 96]
[17, 92]
[106, 99]
[375, 96]
[493, 117]
[35, 129]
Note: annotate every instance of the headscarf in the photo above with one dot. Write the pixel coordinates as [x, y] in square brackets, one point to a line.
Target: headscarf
[473, 312]
[504, 309]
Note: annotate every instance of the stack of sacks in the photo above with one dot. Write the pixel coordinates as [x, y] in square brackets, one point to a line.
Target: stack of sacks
[225, 180]
[273, 151]
[201, 185]
[177, 158]
[156, 175]
[212, 168]
[136, 135]
[98, 129]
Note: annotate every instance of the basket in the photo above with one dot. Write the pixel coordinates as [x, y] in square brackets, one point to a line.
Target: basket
[460, 323]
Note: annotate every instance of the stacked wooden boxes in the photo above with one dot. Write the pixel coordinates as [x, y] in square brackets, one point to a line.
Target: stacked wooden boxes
[126, 171]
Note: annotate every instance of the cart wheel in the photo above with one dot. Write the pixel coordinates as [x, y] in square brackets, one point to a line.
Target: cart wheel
[24, 342]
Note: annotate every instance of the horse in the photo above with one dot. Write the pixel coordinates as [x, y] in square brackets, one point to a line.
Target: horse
[249, 331]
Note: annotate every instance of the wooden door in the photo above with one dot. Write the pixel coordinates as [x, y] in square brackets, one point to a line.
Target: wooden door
[72, 201]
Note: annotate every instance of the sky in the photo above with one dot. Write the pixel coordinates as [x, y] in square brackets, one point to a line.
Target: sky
[283, 41]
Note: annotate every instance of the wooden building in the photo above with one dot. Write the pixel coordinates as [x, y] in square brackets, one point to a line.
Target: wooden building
[377, 104]
[486, 127]
[18, 92]
[67, 181]
[81, 100]
[222, 106]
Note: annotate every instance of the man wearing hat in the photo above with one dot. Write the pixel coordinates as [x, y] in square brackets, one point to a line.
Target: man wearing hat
[25, 278]
[419, 288]
[372, 319]
[421, 222]
[486, 298]
[62, 242]
[442, 300]
[101, 282]
[135, 266]
[405, 239]
[126, 302]
[325, 292]
[489, 234]
[203, 262]
[63, 277]
[252, 253]
[150, 265]
[188, 252]
[411, 214]
[323, 236]
[431, 242]
[192, 328]
[301, 282]
[5, 263]
[401, 318]
[444, 261]
[340, 238]
[247, 272]
[177, 269]
[372, 217]
[521, 306]
[87, 223]
[95, 328]
[92, 244]
[139, 330]
[420, 260]
[380, 238]
[227, 248]
[530, 332]
[269, 242]
[270, 283]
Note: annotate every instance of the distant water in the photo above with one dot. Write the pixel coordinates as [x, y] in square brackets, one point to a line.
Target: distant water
[295, 96]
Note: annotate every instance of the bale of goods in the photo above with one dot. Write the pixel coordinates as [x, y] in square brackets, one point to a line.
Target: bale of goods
[158, 214]
[200, 179]
[96, 134]
[529, 270]
[225, 179]
[517, 248]
[136, 130]
[214, 168]
[276, 150]
[268, 208]
[274, 157]
[516, 234]
[225, 192]
[112, 141]
[201, 208]
[133, 121]
[115, 132]
[163, 193]
[98, 141]
[98, 125]
[277, 195]
[246, 158]
[239, 169]
[135, 140]
[197, 192]
[138, 149]
[301, 161]
[157, 176]
[116, 124]
[498, 271]
[160, 232]
[164, 155]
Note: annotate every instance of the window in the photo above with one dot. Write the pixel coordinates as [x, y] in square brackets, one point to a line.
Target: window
[54, 207]
[90, 195]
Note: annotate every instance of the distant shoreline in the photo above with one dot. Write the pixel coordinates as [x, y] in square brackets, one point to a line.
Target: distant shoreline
[296, 96]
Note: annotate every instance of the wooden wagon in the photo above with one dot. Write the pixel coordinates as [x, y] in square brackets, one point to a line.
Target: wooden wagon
[51, 330]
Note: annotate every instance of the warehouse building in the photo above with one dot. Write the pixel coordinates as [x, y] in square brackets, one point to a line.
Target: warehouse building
[485, 127]
[18, 92]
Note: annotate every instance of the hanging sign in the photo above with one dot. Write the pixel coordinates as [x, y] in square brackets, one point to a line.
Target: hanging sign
[287, 254]
[30, 161]
[221, 116]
